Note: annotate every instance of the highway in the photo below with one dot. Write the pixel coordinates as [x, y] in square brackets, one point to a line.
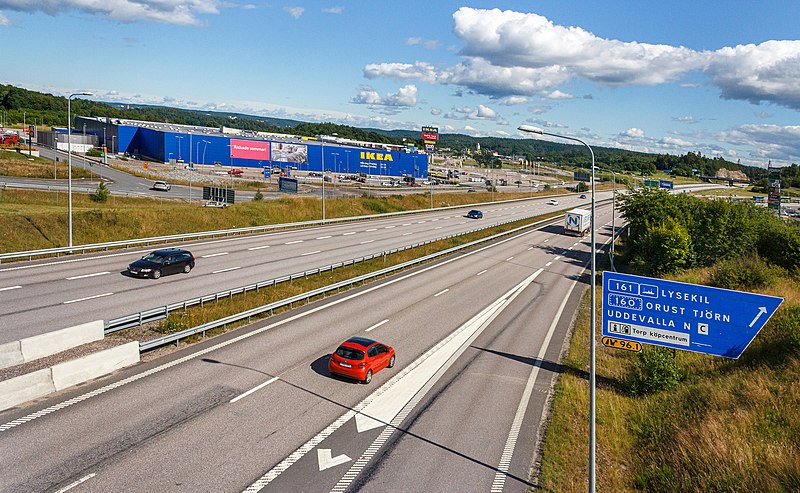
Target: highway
[478, 338]
[50, 294]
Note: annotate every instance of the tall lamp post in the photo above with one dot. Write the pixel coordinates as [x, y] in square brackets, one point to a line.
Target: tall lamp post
[539, 131]
[69, 157]
[205, 145]
[322, 139]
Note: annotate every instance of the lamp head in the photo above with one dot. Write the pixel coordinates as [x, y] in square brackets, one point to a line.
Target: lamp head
[531, 129]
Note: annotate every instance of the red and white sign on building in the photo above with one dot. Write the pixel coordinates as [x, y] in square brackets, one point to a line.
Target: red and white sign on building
[256, 150]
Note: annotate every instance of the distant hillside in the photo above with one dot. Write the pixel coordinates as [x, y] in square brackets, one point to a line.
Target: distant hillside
[51, 110]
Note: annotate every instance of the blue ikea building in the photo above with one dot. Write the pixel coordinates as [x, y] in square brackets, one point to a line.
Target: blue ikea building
[240, 148]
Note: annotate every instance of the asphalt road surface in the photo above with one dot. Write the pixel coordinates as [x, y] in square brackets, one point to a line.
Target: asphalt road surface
[477, 338]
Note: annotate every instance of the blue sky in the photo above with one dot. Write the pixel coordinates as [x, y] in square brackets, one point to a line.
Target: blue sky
[721, 78]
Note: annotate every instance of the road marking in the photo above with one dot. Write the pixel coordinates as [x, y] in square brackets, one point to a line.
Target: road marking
[377, 325]
[371, 229]
[254, 389]
[350, 233]
[87, 298]
[325, 461]
[513, 435]
[310, 253]
[509, 258]
[214, 255]
[365, 242]
[258, 247]
[482, 272]
[323, 237]
[432, 220]
[548, 264]
[87, 275]
[406, 224]
[406, 234]
[226, 270]
[420, 222]
[546, 240]
[10, 288]
[76, 483]
[558, 257]
[293, 242]
[389, 227]
[441, 292]
[576, 243]
[570, 248]
[438, 227]
[531, 248]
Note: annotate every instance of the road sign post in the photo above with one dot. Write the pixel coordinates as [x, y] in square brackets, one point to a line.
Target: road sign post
[690, 317]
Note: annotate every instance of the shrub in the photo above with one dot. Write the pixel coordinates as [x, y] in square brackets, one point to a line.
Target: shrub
[101, 194]
[747, 272]
[654, 371]
[667, 247]
[258, 195]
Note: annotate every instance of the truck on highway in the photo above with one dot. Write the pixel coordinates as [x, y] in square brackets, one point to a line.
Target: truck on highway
[577, 222]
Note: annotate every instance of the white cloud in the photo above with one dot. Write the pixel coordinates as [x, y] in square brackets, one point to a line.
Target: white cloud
[333, 10]
[513, 100]
[540, 110]
[436, 111]
[4, 22]
[430, 44]
[560, 95]
[181, 12]
[634, 132]
[775, 142]
[406, 96]
[295, 12]
[675, 142]
[486, 112]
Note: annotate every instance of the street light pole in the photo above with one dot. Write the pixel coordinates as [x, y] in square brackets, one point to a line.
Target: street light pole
[592, 375]
[69, 157]
[323, 177]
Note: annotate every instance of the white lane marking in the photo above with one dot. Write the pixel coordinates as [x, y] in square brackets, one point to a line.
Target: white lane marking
[76, 483]
[258, 248]
[377, 325]
[548, 264]
[509, 258]
[310, 253]
[406, 224]
[325, 460]
[482, 272]
[293, 242]
[463, 222]
[371, 229]
[438, 227]
[530, 248]
[546, 240]
[133, 378]
[254, 389]
[214, 255]
[420, 222]
[87, 298]
[570, 248]
[226, 270]
[513, 435]
[87, 275]
[389, 227]
[350, 233]
[406, 234]
[441, 292]
[432, 220]
[576, 243]
[558, 257]
[365, 242]
[323, 237]
[10, 288]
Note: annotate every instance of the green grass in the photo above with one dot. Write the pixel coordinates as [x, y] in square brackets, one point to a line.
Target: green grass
[19, 164]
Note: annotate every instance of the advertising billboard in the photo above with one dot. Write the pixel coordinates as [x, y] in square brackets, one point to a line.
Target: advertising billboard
[257, 150]
[429, 136]
[289, 153]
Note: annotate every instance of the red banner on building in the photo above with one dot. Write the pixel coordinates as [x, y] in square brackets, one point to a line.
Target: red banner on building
[257, 150]
[429, 136]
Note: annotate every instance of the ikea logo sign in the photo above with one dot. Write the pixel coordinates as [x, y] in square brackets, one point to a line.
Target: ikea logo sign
[376, 156]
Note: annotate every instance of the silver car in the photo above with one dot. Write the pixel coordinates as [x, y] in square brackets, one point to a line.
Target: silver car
[161, 185]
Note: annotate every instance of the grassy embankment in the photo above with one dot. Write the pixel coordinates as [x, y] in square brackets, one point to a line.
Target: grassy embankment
[19, 164]
[32, 219]
[728, 426]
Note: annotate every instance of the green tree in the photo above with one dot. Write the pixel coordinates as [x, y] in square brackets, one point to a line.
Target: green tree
[101, 194]
[668, 247]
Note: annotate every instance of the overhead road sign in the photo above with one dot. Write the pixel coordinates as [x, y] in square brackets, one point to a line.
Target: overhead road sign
[690, 317]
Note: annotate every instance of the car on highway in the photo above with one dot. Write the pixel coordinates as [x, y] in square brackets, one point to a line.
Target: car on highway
[475, 214]
[583, 196]
[161, 185]
[162, 263]
[471, 190]
[236, 171]
[360, 358]
[552, 202]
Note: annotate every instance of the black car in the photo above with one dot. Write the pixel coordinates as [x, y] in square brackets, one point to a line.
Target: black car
[475, 214]
[162, 263]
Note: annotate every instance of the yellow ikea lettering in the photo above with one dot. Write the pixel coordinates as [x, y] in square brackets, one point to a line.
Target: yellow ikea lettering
[376, 156]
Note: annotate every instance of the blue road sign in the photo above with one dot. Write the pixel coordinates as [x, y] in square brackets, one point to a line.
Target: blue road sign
[266, 172]
[683, 316]
[665, 184]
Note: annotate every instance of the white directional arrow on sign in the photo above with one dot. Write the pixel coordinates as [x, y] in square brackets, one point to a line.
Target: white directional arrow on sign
[761, 310]
[326, 461]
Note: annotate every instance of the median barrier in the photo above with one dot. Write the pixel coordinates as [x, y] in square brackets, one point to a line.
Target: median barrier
[11, 354]
[25, 388]
[39, 346]
[94, 365]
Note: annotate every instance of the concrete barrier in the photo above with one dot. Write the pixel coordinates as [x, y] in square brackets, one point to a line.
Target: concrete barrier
[39, 346]
[25, 388]
[94, 365]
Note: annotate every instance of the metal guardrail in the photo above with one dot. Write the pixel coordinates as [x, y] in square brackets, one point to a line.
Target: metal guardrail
[168, 339]
[225, 232]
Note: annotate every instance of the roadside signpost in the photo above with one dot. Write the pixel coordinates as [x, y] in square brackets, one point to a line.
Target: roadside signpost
[690, 317]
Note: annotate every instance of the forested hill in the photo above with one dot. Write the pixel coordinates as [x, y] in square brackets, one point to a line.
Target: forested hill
[50, 110]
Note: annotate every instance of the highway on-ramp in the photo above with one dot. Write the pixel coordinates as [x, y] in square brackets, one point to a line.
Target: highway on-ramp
[477, 335]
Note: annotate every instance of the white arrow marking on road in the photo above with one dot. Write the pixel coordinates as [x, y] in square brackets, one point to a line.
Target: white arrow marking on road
[761, 311]
[326, 461]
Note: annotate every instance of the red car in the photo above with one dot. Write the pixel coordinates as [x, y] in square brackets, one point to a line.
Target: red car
[235, 171]
[360, 358]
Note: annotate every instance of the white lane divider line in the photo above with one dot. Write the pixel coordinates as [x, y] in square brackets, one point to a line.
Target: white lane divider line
[226, 270]
[350, 233]
[76, 483]
[324, 237]
[530, 248]
[420, 222]
[310, 253]
[365, 242]
[371, 229]
[87, 298]
[406, 234]
[576, 243]
[258, 248]
[214, 255]
[558, 257]
[406, 224]
[438, 227]
[9, 288]
[441, 292]
[509, 258]
[87, 275]
[546, 240]
[293, 242]
[482, 272]
[432, 220]
[254, 389]
[389, 227]
[548, 264]
[377, 325]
